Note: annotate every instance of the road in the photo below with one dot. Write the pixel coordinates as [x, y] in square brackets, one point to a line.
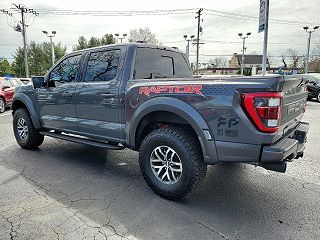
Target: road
[70, 191]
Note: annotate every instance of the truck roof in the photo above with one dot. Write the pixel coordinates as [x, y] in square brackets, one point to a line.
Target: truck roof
[134, 44]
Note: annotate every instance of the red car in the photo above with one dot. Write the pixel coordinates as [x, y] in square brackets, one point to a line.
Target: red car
[7, 91]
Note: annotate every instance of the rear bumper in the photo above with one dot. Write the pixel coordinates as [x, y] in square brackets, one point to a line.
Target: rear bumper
[288, 148]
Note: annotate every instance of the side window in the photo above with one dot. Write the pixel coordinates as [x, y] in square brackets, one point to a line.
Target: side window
[102, 66]
[156, 63]
[66, 71]
[153, 63]
[181, 66]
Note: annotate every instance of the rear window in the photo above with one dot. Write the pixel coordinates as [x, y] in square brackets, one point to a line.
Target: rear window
[155, 63]
[16, 82]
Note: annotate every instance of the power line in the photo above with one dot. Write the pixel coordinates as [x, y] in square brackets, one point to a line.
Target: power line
[116, 13]
[250, 17]
[163, 12]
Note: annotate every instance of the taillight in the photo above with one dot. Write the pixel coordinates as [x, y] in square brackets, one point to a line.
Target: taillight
[264, 109]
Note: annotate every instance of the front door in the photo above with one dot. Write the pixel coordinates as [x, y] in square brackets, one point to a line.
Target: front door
[98, 102]
[57, 98]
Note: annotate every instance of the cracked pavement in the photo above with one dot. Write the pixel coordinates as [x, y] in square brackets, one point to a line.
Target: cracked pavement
[68, 191]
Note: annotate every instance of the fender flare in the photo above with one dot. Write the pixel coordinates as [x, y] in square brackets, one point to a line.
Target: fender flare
[30, 107]
[181, 109]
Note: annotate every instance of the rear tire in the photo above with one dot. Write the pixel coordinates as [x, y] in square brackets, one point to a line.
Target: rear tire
[171, 162]
[25, 133]
[318, 96]
[2, 105]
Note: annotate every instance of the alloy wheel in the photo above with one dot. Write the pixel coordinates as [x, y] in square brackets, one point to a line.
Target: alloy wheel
[22, 129]
[166, 165]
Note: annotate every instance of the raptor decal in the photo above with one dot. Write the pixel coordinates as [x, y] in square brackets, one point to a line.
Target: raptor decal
[171, 89]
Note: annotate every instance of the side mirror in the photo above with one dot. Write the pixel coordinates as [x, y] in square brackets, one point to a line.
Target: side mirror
[37, 81]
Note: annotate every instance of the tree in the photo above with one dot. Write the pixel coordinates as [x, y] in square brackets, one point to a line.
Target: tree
[219, 62]
[39, 58]
[5, 67]
[18, 62]
[94, 42]
[294, 57]
[144, 35]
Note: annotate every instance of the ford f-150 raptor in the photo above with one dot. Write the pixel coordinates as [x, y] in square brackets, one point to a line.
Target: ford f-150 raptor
[144, 97]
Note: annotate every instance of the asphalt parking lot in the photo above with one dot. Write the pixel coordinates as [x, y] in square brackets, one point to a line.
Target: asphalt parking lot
[70, 191]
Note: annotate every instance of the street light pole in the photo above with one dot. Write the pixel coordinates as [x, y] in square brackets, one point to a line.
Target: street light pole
[188, 45]
[53, 33]
[243, 48]
[123, 36]
[309, 31]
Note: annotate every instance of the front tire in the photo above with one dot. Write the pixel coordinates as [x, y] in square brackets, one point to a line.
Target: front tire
[2, 105]
[25, 133]
[171, 162]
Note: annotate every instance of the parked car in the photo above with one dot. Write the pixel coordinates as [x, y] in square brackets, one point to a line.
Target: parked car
[7, 91]
[144, 97]
[313, 85]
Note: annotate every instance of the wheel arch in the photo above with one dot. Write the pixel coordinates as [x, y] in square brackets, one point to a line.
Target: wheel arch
[178, 112]
[22, 101]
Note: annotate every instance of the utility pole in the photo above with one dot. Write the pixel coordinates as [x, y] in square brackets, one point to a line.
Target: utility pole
[309, 31]
[243, 48]
[198, 39]
[24, 10]
[53, 33]
[265, 38]
[188, 45]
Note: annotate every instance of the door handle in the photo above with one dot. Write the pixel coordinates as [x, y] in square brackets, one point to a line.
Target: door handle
[67, 94]
[108, 95]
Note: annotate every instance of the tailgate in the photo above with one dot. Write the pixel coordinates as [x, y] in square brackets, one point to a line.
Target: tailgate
[293, 103]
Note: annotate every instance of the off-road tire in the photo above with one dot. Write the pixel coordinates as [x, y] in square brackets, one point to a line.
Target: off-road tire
[33, 139]
[2, 105]
[189, 151]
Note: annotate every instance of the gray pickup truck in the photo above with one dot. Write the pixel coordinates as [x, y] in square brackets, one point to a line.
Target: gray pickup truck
[145, 98]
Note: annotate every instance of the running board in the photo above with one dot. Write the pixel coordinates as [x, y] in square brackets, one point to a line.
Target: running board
[82, 140]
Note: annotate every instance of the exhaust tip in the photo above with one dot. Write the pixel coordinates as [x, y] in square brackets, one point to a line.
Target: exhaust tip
[277, 167]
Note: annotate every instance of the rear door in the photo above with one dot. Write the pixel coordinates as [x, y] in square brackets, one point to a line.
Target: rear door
[98, 103]
[57, 98]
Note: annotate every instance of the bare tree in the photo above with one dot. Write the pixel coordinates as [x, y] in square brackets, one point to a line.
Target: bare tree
[144, 35]
[294, 57]
[314, 64]
[219, 62]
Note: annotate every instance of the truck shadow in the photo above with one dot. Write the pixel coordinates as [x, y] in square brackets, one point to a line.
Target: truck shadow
[235, 201]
